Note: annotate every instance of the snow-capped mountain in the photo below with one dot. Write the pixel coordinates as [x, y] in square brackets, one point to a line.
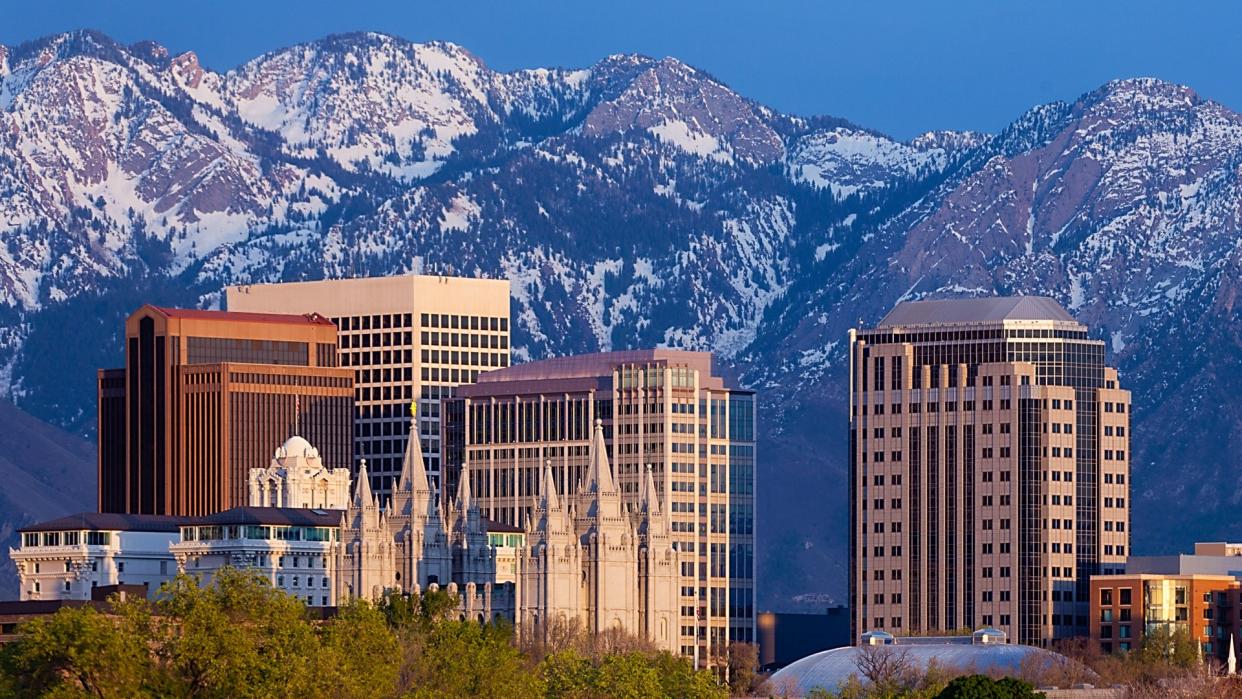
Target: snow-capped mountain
[637, 201]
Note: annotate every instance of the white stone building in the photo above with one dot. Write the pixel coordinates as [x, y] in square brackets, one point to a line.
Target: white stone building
[297, 477]
[588, 557]
[296, 549]
[66, 558]
[592, 560]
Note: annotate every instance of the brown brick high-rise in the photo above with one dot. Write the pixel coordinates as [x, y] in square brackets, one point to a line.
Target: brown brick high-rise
[203, 397]
[989, 469]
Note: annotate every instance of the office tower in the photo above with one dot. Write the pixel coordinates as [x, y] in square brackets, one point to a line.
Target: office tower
[204, 395]
[409, 338]
[989, 470]
[663, 408]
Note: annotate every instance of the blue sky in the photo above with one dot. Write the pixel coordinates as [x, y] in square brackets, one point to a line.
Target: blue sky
[900, 67]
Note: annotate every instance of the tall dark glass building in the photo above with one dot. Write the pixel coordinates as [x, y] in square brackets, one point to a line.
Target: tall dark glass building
[203, 397]
[989, 469]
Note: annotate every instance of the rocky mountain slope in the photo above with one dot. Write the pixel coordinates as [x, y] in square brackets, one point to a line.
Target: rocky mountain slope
[46, 472]
[638, 201]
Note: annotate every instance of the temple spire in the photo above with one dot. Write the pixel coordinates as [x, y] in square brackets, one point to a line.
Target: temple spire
[600, 473]
[362, 491]
[413, 471]
[463, 489]
[550, 500]
[650, 503]
[1231, 662]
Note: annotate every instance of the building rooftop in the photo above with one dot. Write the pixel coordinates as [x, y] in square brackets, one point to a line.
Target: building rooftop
[280, 516]
[243, 317]
[994, 309]
[494, 527]
[107, 521]
[584, 372]
[596, 364]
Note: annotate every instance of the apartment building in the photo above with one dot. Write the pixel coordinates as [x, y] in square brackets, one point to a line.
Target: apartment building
[1125, 608]
[988, 469]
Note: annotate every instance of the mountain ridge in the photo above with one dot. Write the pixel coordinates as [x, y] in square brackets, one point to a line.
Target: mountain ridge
[639, 201]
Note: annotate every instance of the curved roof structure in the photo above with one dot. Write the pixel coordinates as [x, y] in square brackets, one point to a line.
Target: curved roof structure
[975, 310]
[296, 446]
[829, 669]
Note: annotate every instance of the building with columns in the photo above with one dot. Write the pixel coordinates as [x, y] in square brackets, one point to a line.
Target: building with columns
[68, 557]
[408, 339]
[297, 477]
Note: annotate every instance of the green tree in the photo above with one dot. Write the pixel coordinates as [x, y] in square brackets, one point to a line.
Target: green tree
[76, 652]
[983, 687]
[1173, 646]
[468, 659]
[237, 637]
[359, 654]
[406, 611]
[627, 676]
[570, 675]
[678, 678]
[567, 675]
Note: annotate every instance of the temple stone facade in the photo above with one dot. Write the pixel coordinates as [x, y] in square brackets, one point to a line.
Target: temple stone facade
[589, 558]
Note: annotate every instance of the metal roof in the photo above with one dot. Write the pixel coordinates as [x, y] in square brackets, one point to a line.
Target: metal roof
[286, 516]
[975, 310]
[830, 668]
[107, 521]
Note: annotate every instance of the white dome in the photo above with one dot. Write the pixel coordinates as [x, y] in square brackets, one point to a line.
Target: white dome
[296, 446]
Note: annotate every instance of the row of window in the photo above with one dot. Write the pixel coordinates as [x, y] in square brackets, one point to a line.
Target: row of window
[66, 538]
[289, 380]
[376, 357]
[429, 320]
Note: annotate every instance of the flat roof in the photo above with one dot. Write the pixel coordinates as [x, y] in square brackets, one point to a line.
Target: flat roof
[992, 309]
[595, 364]
[107, 521]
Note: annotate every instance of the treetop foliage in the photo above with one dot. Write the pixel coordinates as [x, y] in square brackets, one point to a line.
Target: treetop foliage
[239, 637]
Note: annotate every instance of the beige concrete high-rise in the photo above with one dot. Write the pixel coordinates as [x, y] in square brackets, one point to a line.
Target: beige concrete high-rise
[989, 469]
[408, 338]
[661, 408]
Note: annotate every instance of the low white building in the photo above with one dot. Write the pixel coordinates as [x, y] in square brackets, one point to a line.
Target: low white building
[65, 558]
[297, 477]
[297, 550]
